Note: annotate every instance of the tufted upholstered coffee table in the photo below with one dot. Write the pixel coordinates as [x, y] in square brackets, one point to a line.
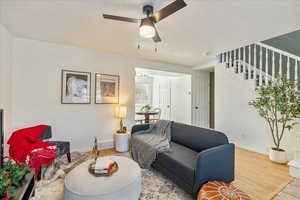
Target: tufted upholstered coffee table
[125, 184]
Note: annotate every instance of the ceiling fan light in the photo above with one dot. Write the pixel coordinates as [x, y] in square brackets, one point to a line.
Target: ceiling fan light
[147, 29]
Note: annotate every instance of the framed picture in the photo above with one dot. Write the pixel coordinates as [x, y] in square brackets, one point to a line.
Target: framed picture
[107, 89]
[76, 87]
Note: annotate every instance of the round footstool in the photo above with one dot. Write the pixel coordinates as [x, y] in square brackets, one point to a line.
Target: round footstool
[217, 191]
[125, 184]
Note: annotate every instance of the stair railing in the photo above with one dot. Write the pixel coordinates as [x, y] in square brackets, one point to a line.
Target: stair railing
[262, 62]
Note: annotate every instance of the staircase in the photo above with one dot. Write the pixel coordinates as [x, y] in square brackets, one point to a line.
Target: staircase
[262, 63]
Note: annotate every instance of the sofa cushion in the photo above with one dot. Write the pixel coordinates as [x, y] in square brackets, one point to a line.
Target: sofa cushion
[196, 138]
[179, 160]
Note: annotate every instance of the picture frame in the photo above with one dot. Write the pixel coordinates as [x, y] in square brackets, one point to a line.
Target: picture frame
[75, 87]
[107, 89]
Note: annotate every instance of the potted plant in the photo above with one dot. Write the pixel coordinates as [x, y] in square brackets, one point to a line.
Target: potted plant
[279, 104]
[10, 177]
[146, 108]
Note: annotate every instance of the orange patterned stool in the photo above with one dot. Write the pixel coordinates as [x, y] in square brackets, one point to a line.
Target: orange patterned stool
[217, 191]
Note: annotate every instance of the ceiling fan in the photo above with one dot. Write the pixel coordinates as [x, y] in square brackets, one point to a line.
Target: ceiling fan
[147, 25]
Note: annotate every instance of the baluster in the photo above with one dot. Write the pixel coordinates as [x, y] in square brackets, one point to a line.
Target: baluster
[244, 60]
[288, 68]
[260, 66]
[273, 65]
[280, 65]
[221, 57]
[267, 67]
[242, 67]
[255, 70]
[238, 60]
[228, 58]
[249, 62]
[234, 59]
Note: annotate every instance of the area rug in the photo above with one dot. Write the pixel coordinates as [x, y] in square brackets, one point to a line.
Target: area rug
[155, 186]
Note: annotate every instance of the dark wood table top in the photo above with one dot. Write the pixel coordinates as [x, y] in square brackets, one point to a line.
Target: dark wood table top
[147, 113]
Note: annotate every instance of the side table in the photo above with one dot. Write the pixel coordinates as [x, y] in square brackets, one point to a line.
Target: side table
[122, 142]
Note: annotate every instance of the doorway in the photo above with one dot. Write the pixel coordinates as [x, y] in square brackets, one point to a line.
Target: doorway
[212, 100]
[168, 92]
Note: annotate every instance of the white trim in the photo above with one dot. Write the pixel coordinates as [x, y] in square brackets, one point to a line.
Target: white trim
[278, 51]
[107, 144]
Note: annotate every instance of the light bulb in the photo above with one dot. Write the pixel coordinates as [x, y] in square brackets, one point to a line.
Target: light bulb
[147, 29]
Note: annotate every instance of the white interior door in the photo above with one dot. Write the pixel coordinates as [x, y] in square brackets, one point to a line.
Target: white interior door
[181, 107]
[162, 97]
[200, 98]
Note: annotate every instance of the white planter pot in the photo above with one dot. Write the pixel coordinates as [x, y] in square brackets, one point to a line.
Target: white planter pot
[278, 156]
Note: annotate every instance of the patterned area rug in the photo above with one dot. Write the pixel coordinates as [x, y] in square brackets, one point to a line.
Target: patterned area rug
[155, 186]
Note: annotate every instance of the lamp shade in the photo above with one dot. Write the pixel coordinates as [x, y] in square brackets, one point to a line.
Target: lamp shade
[121, 111]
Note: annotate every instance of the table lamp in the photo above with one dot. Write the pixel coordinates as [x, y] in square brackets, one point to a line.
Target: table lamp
[121, 113]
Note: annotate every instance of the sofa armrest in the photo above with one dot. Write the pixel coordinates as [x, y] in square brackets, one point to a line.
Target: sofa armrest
[139, 127]
[215, 164]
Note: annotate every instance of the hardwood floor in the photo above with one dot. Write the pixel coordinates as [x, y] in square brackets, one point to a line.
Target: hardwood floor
[255, 174]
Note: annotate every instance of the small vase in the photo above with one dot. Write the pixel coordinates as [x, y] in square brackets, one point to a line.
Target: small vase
[278, 156]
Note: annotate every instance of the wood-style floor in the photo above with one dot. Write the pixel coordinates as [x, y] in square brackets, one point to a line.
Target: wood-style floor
[255, 174]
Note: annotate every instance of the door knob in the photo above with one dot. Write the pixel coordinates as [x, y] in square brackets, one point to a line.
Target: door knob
[196, 107]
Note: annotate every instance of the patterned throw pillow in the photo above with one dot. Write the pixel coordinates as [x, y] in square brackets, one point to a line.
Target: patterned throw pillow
[220, 191]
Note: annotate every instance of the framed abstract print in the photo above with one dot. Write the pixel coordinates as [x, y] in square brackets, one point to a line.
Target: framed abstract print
[107, 89]
[75, 87]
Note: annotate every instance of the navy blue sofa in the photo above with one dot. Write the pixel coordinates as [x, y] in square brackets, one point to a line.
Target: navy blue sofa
[196, 156]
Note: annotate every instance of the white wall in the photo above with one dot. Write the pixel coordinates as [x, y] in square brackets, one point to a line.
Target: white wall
[36, 90]
[237, 119]
[5, 77]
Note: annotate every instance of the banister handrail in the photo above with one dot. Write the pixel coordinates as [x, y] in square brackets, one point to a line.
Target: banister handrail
[257, 68]
[279, 51]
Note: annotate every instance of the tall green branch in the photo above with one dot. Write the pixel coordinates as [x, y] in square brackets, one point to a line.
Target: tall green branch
[279, 105]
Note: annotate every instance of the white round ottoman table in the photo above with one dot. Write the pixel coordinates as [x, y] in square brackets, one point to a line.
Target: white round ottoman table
[125, 184]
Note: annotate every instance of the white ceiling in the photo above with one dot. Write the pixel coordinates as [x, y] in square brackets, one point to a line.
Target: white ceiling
[190, 37]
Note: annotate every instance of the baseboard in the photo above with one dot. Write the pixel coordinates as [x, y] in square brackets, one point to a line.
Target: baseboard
[251, 149]
[106, 144]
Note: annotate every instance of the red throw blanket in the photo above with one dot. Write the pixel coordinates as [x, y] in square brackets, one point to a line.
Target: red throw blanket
[26, 148]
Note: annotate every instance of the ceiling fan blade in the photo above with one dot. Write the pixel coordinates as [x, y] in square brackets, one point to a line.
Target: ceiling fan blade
[168, 10]
[156, 38]
[124, 19]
